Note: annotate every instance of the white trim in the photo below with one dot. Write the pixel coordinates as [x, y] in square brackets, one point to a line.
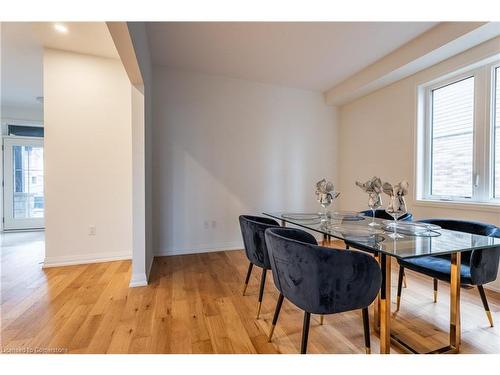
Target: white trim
[22, 230]
[141, 279]
[11, 223]
[70, 260]
[494, 77]
[201, 249]
[13, 121]
[457, 205]
[138, 280]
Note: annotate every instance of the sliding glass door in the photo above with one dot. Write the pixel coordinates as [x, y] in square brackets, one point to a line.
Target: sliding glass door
[24, 204]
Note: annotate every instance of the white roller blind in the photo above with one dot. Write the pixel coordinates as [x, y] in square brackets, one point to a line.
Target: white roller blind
[497, 133]
[452, 139]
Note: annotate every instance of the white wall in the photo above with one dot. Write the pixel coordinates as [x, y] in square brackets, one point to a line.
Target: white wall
[87, 118]
[143, 255]
[377, 137]
[224, 147]
[139, 275]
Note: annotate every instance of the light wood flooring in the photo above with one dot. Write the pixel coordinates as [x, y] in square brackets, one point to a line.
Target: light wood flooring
[194, 305]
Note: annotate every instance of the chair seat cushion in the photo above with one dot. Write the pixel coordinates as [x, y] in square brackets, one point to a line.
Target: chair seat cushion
[437, 267]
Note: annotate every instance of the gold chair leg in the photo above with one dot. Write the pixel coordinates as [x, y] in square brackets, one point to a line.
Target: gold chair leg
[490, 317]
[485, 304]
[321, 319]
[404, 281]
[258, 310]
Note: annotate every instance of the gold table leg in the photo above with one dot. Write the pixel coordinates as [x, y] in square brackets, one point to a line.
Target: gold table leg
[385, 305]
[376, 305]
[455, 329]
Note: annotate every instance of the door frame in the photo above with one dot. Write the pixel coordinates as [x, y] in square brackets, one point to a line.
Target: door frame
[8, 185]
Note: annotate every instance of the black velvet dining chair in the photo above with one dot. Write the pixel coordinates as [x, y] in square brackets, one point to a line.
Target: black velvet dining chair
[381, 214]
[320, 280]
[252, 230]
[478, 267]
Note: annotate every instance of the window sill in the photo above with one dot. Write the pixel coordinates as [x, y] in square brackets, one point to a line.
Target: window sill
[472, 206]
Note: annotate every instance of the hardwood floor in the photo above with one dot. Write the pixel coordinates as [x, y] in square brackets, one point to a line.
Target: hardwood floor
[194, 305]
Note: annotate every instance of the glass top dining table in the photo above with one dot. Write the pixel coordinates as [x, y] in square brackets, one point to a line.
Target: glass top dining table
[357, 231]
[417, 240]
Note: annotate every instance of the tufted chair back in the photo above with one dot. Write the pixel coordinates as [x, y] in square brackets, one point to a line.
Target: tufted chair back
[317, 279]
[252, 230]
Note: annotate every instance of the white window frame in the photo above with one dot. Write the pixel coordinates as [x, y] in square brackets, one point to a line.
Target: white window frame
[483, 138]
[11, 223]
[491, 112]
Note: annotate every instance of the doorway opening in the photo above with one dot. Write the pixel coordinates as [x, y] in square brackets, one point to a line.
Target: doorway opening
[24, 203]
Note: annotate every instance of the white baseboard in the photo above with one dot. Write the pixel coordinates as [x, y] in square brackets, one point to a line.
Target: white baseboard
[137, 280]
[141, 279]
[72, 260]
[225, 246]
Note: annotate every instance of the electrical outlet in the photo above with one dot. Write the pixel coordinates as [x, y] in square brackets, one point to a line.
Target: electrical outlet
[214, 224]
[205, 224]
[92, 230]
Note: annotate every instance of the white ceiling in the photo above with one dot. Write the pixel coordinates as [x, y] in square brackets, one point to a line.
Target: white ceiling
[91, 38]
[306, 55]
[22, 71]
[22, 55]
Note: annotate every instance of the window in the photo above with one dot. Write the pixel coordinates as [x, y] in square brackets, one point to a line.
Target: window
[496, 131]
[26, 131]
[460, 137]
[452, 130]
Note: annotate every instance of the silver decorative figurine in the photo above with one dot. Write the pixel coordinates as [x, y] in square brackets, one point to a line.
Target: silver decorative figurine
[325, 194]
[373, 187]
[397, 204]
